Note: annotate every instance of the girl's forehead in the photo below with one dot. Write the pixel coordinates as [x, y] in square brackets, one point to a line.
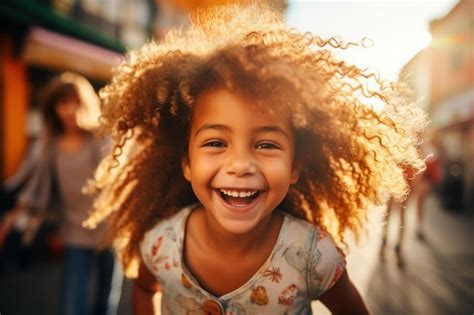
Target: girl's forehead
[226, 107]
[222, 98]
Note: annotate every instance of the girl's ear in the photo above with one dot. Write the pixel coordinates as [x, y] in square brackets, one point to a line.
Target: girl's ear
[185, 168]
[295, 173]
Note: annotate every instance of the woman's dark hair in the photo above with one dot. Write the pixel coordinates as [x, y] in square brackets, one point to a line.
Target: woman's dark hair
[67, 86]
[56, 92]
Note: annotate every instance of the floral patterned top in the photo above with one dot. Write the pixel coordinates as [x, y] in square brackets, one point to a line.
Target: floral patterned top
[304, 263]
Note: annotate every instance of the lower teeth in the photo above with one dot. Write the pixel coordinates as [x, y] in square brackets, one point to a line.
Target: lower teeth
[238, 201]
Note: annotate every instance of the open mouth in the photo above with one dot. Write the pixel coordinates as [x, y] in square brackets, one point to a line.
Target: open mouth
[238, 198]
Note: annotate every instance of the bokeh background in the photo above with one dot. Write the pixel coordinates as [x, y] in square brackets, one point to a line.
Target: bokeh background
[428, 44]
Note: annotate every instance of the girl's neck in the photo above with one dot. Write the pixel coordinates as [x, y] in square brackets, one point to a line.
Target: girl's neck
[221, 261]
[235, 245]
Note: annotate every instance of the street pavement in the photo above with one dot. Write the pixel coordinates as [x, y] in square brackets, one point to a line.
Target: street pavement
[437, 279]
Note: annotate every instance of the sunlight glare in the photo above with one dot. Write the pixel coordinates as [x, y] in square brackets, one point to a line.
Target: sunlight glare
[399, 29]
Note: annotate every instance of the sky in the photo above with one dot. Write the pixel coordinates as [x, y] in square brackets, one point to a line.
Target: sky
[397, 28]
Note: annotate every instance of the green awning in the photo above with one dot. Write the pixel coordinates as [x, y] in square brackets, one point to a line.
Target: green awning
[30, 12]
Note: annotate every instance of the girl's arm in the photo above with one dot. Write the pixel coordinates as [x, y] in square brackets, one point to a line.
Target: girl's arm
[145, 287]
[343, 298]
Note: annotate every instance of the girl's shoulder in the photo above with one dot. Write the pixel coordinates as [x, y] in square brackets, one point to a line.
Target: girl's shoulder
[164, 240]
[171, 229]
[299, 228]
[313, 253]
[310, 239]
[177, 221]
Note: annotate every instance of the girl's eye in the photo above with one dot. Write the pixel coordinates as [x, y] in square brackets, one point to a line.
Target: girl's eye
[214, 144]
[266, 146]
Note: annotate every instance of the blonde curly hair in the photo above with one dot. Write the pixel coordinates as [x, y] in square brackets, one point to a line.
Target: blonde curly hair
[355, 133]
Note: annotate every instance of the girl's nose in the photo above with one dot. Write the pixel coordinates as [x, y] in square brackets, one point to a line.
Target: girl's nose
[241, 165]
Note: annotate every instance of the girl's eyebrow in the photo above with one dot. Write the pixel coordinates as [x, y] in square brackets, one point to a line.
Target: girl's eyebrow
[272, 129]
[212, 127]
[227, 129]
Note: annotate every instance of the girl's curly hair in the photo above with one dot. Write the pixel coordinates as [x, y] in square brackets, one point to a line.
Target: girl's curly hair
[355, 133]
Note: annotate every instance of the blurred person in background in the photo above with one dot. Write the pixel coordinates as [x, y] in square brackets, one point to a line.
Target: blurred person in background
[68, 155]
[409, 174]
[430, 178]
[12, 252]
[420, 186]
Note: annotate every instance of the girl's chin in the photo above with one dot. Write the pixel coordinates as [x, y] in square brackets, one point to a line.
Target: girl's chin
[238, 227]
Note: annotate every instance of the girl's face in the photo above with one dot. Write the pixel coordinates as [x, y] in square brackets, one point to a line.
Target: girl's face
[240, 159]
[66, 109]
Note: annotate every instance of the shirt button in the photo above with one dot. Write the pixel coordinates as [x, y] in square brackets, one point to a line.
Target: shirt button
[211, 307]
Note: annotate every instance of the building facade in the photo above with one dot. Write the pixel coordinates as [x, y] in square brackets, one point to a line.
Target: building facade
[443, 75]
[41, 38]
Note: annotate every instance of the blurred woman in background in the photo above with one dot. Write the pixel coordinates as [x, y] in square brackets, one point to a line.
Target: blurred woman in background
[69, 155]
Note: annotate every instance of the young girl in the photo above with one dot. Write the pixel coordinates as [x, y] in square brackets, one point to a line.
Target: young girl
[69, 154]
[244, 151]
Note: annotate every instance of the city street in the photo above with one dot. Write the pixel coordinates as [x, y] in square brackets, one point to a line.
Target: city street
[360, 92]
[438, 277]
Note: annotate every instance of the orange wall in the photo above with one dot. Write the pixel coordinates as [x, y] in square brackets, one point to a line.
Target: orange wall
[13, 106]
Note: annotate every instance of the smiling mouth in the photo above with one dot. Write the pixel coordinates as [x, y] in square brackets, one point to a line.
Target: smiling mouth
[238, 198]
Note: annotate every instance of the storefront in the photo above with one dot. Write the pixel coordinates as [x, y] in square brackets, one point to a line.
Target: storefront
[39, 40]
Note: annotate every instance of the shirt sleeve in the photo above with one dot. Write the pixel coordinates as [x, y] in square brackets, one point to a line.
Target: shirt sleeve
[27, 166]
[151, 249]
[326, 264]
[145, 249]
[160, 249]
[37, 195]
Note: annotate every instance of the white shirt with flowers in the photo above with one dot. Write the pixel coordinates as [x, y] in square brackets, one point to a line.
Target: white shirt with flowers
[304, 263]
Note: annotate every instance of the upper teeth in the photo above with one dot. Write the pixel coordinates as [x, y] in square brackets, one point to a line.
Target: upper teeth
[240, 194]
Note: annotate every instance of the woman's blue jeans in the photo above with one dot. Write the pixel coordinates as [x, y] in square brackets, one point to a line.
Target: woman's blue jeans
[76, 284]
